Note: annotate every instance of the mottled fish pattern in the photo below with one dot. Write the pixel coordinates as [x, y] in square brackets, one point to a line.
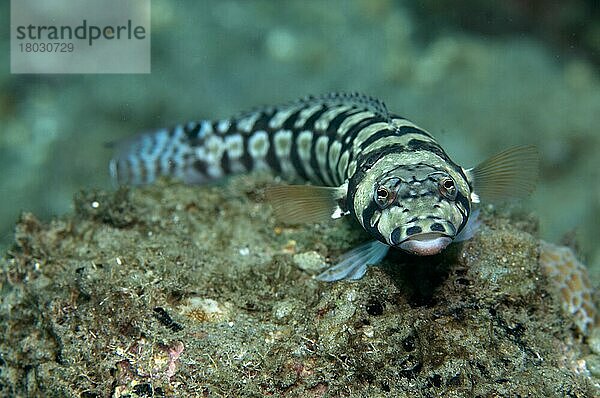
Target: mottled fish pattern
[318, 139]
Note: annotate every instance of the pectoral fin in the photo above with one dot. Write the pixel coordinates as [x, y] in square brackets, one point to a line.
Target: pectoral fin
[473, 224]
[297, 204]
[510, 174]
[354, 263]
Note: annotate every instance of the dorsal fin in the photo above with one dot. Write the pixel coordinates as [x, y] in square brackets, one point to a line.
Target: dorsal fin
[356, 99]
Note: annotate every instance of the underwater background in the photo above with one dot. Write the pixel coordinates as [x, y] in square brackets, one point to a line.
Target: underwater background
[478, 75]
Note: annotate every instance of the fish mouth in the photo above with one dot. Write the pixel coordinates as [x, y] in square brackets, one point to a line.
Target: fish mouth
[426, 244]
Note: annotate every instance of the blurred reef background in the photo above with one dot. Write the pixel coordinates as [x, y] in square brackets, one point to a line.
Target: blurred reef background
[141, 294]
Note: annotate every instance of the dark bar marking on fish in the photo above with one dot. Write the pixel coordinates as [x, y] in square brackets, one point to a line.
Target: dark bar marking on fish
[314, 163]
[201, 167]
[225, 162]
[367, 215]
[271, 157]
[348, 138]
[380, 134]
[410, 129]
[381, 152]
[288, 124]
[331, 132]
[331, 172]
[295, 157]
[462, 199]
[309, 124]
[247, 159]
[191, 131]
[337, 121]
[172, 166]
[419, 145]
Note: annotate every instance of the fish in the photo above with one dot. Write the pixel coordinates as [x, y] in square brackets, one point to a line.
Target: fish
[354, 159]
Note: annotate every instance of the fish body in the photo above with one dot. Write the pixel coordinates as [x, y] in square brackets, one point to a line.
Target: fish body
[362, 161]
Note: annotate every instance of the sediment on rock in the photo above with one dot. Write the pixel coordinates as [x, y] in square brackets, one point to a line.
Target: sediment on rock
[176, 291]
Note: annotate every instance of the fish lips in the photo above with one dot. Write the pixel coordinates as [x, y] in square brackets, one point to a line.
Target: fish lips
[426, 244]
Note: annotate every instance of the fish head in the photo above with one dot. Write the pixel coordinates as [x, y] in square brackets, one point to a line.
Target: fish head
[419, 209]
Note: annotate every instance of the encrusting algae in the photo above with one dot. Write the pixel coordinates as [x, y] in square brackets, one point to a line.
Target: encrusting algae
[105, 303]
[571, 281]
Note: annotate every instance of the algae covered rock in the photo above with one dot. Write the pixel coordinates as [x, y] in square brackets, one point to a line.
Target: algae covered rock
[174, 290]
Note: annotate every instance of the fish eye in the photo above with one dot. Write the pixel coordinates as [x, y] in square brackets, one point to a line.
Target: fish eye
[447, 188]
[383, 196]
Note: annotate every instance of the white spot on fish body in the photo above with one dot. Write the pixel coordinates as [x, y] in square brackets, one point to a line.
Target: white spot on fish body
[343, 163]
[338, 213]
[303, 143]
[235, 146]
[283, 143]
[334, 152]
[213, 149]
[334, 155]
[223, 126]
[321, 147]
[205, 129]
[258, 144]
[283, 146]
[214, 171]
[258, 147]
[246, 124]
[352, 168]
